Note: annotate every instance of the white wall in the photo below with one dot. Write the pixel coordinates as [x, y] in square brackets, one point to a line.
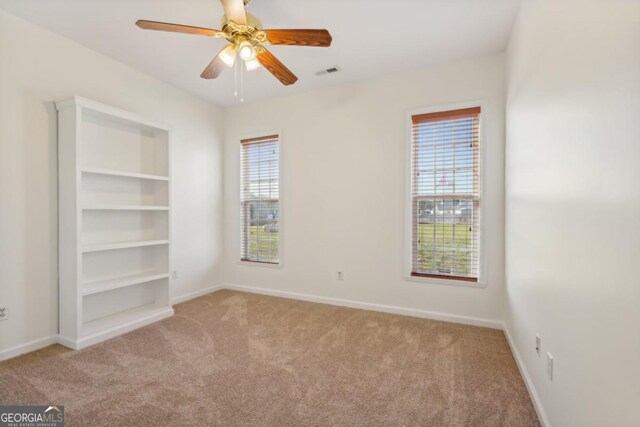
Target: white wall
[37, 67]
[573, 206]
[343, 180]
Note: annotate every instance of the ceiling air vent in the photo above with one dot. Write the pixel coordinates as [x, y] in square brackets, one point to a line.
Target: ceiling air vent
[328, 71]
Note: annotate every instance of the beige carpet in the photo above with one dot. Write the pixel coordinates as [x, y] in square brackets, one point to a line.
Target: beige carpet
[238, 359]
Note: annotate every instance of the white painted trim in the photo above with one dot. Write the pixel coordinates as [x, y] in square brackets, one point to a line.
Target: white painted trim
[259, 264]
[67, 342]
[195, 294]
[403, 311]
[408, 249]
[537, 404]
[448, 282]
[27, 347]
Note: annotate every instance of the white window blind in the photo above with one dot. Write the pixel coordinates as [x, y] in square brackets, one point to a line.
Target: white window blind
[445, 192]
[260, 199]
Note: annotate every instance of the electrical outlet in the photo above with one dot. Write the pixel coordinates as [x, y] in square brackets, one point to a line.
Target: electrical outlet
[174, 274]
[538, 344]
[4, 313]
[550, 366]
[340, 276]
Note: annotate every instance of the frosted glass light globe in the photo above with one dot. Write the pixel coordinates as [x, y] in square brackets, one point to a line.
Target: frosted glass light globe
[246, 51]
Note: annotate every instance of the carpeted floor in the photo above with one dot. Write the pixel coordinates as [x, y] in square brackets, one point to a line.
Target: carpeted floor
[238, 359]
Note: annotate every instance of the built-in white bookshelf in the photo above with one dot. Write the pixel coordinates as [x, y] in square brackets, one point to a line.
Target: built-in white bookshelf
[115, 221]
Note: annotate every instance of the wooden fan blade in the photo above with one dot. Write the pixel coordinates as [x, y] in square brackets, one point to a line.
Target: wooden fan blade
[177, 28]
[276, 68]
[214, 68]
[234, 9]
[314, 38]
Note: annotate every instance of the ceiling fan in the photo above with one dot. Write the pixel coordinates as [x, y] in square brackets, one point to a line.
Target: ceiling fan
[247, 40]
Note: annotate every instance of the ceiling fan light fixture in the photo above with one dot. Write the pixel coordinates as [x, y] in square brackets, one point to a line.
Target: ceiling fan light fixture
[228, 55]
[247, 39]
[246, 51]
[252, 64]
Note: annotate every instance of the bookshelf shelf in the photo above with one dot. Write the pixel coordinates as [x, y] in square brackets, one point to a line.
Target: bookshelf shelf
[124, 208]
[98, 286]
[123, 245]
[125, 174]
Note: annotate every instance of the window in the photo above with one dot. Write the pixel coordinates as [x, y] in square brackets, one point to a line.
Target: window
[260, 199]
[445, 194]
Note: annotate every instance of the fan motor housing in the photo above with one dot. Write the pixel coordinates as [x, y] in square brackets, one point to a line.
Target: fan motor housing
[238, 33]
[252, 21]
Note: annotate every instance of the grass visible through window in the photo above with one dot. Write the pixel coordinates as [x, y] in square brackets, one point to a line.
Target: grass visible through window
[445, 248]
[264, 243]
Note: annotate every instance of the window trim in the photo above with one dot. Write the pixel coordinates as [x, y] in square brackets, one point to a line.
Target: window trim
[239, 259]
[408, 222]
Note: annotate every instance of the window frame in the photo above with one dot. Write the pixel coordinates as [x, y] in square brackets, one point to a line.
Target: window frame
[408, 223]
[262, 264]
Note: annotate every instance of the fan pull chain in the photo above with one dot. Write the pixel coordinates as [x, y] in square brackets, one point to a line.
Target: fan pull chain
[235, 80]
[241, 83]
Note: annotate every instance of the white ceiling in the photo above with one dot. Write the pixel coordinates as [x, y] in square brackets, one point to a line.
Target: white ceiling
[370, 37]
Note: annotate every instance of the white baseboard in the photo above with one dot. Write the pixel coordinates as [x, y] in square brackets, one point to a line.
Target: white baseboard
[27, 347]
[433, 315]
[537, 404]
[196, 294]
[67, 342]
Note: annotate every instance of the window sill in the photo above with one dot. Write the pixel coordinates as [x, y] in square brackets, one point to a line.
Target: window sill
[260, 264]
[451, 282]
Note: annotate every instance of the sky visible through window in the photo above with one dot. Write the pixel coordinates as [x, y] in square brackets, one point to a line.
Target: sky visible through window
[262, 164]
[444, 157]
